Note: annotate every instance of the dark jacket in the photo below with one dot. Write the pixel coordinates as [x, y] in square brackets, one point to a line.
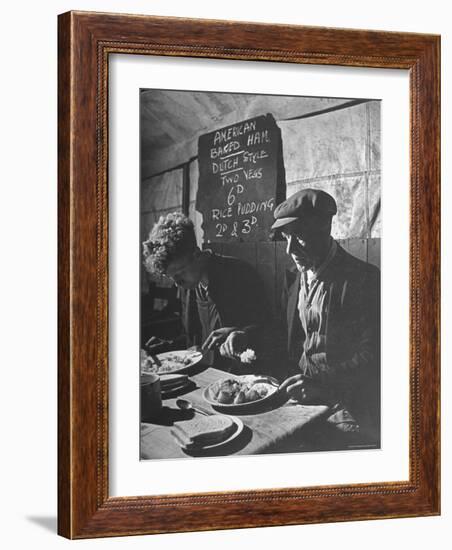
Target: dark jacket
[239, 296]
[352, 332]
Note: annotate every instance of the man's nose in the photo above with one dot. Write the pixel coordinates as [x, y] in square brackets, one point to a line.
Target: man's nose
[290, 243]
[295, 244]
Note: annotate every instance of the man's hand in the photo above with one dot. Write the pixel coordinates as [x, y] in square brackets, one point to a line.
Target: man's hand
[234, 344]
[217, 337]
[306, 391]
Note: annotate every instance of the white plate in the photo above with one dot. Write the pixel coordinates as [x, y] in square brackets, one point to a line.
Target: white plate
[271, 382]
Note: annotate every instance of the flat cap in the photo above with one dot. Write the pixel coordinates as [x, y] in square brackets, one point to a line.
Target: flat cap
[304, 203]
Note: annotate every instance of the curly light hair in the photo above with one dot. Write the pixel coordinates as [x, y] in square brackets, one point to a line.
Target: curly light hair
[173, 236]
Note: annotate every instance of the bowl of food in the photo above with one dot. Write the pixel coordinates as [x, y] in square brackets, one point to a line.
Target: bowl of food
[169, 362]
[240, 392]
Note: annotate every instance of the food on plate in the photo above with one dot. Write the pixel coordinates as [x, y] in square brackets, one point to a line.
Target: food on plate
[248, 356]
[169, 362]
[202, 431]
[174, 362]
[232, 391]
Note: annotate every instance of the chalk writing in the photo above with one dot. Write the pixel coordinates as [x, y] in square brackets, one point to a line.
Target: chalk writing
[240, 172]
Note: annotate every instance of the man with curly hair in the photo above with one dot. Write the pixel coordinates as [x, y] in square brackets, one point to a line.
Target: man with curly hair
[223, 300]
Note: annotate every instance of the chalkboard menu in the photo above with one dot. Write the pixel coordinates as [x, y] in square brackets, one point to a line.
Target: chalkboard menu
[241, 180]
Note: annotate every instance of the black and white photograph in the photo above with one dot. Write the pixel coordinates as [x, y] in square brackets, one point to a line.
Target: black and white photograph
[224, 235]
[260, 239]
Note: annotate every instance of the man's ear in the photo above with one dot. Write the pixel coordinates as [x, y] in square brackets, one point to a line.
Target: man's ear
[324, 224]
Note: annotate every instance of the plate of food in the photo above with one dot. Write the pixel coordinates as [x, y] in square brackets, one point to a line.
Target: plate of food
[169, 362]
[240, 392]
[206, 432]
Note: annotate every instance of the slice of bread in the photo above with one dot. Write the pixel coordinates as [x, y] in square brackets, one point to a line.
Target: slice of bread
[202, 431]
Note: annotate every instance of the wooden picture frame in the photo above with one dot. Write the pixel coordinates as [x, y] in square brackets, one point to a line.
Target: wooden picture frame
[86, 40]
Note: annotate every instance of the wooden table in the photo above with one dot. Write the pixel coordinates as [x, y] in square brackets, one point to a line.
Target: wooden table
[266, 429]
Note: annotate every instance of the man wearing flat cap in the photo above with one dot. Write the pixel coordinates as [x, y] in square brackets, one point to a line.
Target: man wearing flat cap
[332, 302]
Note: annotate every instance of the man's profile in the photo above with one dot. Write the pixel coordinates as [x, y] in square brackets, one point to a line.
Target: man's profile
[223, 300]
[332, 302]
